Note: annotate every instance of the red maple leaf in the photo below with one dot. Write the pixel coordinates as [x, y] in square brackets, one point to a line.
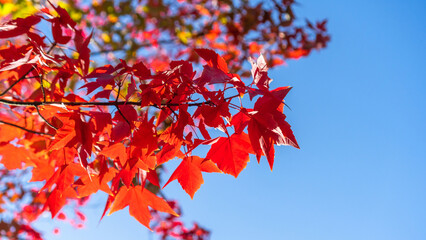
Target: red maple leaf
[138, 200]
[267, 125]
[231, 154]
[18, 26]
[188, 173]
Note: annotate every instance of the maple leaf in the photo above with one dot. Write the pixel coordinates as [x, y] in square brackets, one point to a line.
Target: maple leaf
[12, 156]
[145, 137]
[262, 137]
[231, 154]
[188, 173]
[18, 26]
[138, 200]
[87, 185]
[74, 132]
[64, 17]
[287, 137]
[126, 114]
[267, 125]
[85, 141]
[152, 176]
[82, 45]
[63, 180]
[8, 133]
[63, 20]
[120, 131]
[271, 99]
[101, 120]
[64, 137]
[57, 32]
[102, 94]
[42, 170]
[57, 199]
[259, 73]
[101, 81]
[141, 71]
[216, 70]
[115, 150]
[211, 75]
[240, 120]
[212, 115]
[26, 59]
[203, 130]
[213, 59]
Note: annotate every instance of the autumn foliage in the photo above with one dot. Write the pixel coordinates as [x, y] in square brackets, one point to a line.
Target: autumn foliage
[78, 126]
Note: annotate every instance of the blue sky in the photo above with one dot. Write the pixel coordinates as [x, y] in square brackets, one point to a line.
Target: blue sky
[359, 114]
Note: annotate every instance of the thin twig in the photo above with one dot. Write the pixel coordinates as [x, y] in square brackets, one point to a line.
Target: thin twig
[47, 122]
[122, 115]
[17, 81]
[26, 129]
[285, 104]
[42, 89]
[109, 103]
[173, 112]
[89, 104]
[118, 92]
[32, 77]
[119, 111]
[25, 75]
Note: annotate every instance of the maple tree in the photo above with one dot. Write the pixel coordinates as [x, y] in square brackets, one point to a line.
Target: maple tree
[79, 125]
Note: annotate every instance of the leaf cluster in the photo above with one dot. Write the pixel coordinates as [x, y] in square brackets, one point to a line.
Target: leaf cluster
[81, 127]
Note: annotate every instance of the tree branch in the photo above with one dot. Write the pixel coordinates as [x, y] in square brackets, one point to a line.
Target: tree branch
[17, 81]
[26, 129]
[119, 111]
[90, 104]
[48, 123]
[110, 103]
[42, 89]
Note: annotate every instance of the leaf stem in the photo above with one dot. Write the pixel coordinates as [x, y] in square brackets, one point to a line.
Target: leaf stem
[47, 122]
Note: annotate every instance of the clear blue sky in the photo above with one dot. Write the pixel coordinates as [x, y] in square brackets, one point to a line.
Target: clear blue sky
[359, 114]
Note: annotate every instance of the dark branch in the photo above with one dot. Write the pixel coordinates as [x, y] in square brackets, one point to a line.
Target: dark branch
[122, 115]
[17, 81]
[25, 75]
[110, 103]
[119, 111]
[26, 129]
[42, 89]
[47, 122]
[89, 104]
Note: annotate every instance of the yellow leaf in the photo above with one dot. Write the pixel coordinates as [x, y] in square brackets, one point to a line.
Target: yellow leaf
[184, 36]
[6, 9]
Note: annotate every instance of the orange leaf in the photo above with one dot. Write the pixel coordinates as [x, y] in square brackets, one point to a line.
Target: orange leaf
[188, 173]
[12, 156]
[8, 133]
[63, 136]
[138, 200]
[114, 151]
